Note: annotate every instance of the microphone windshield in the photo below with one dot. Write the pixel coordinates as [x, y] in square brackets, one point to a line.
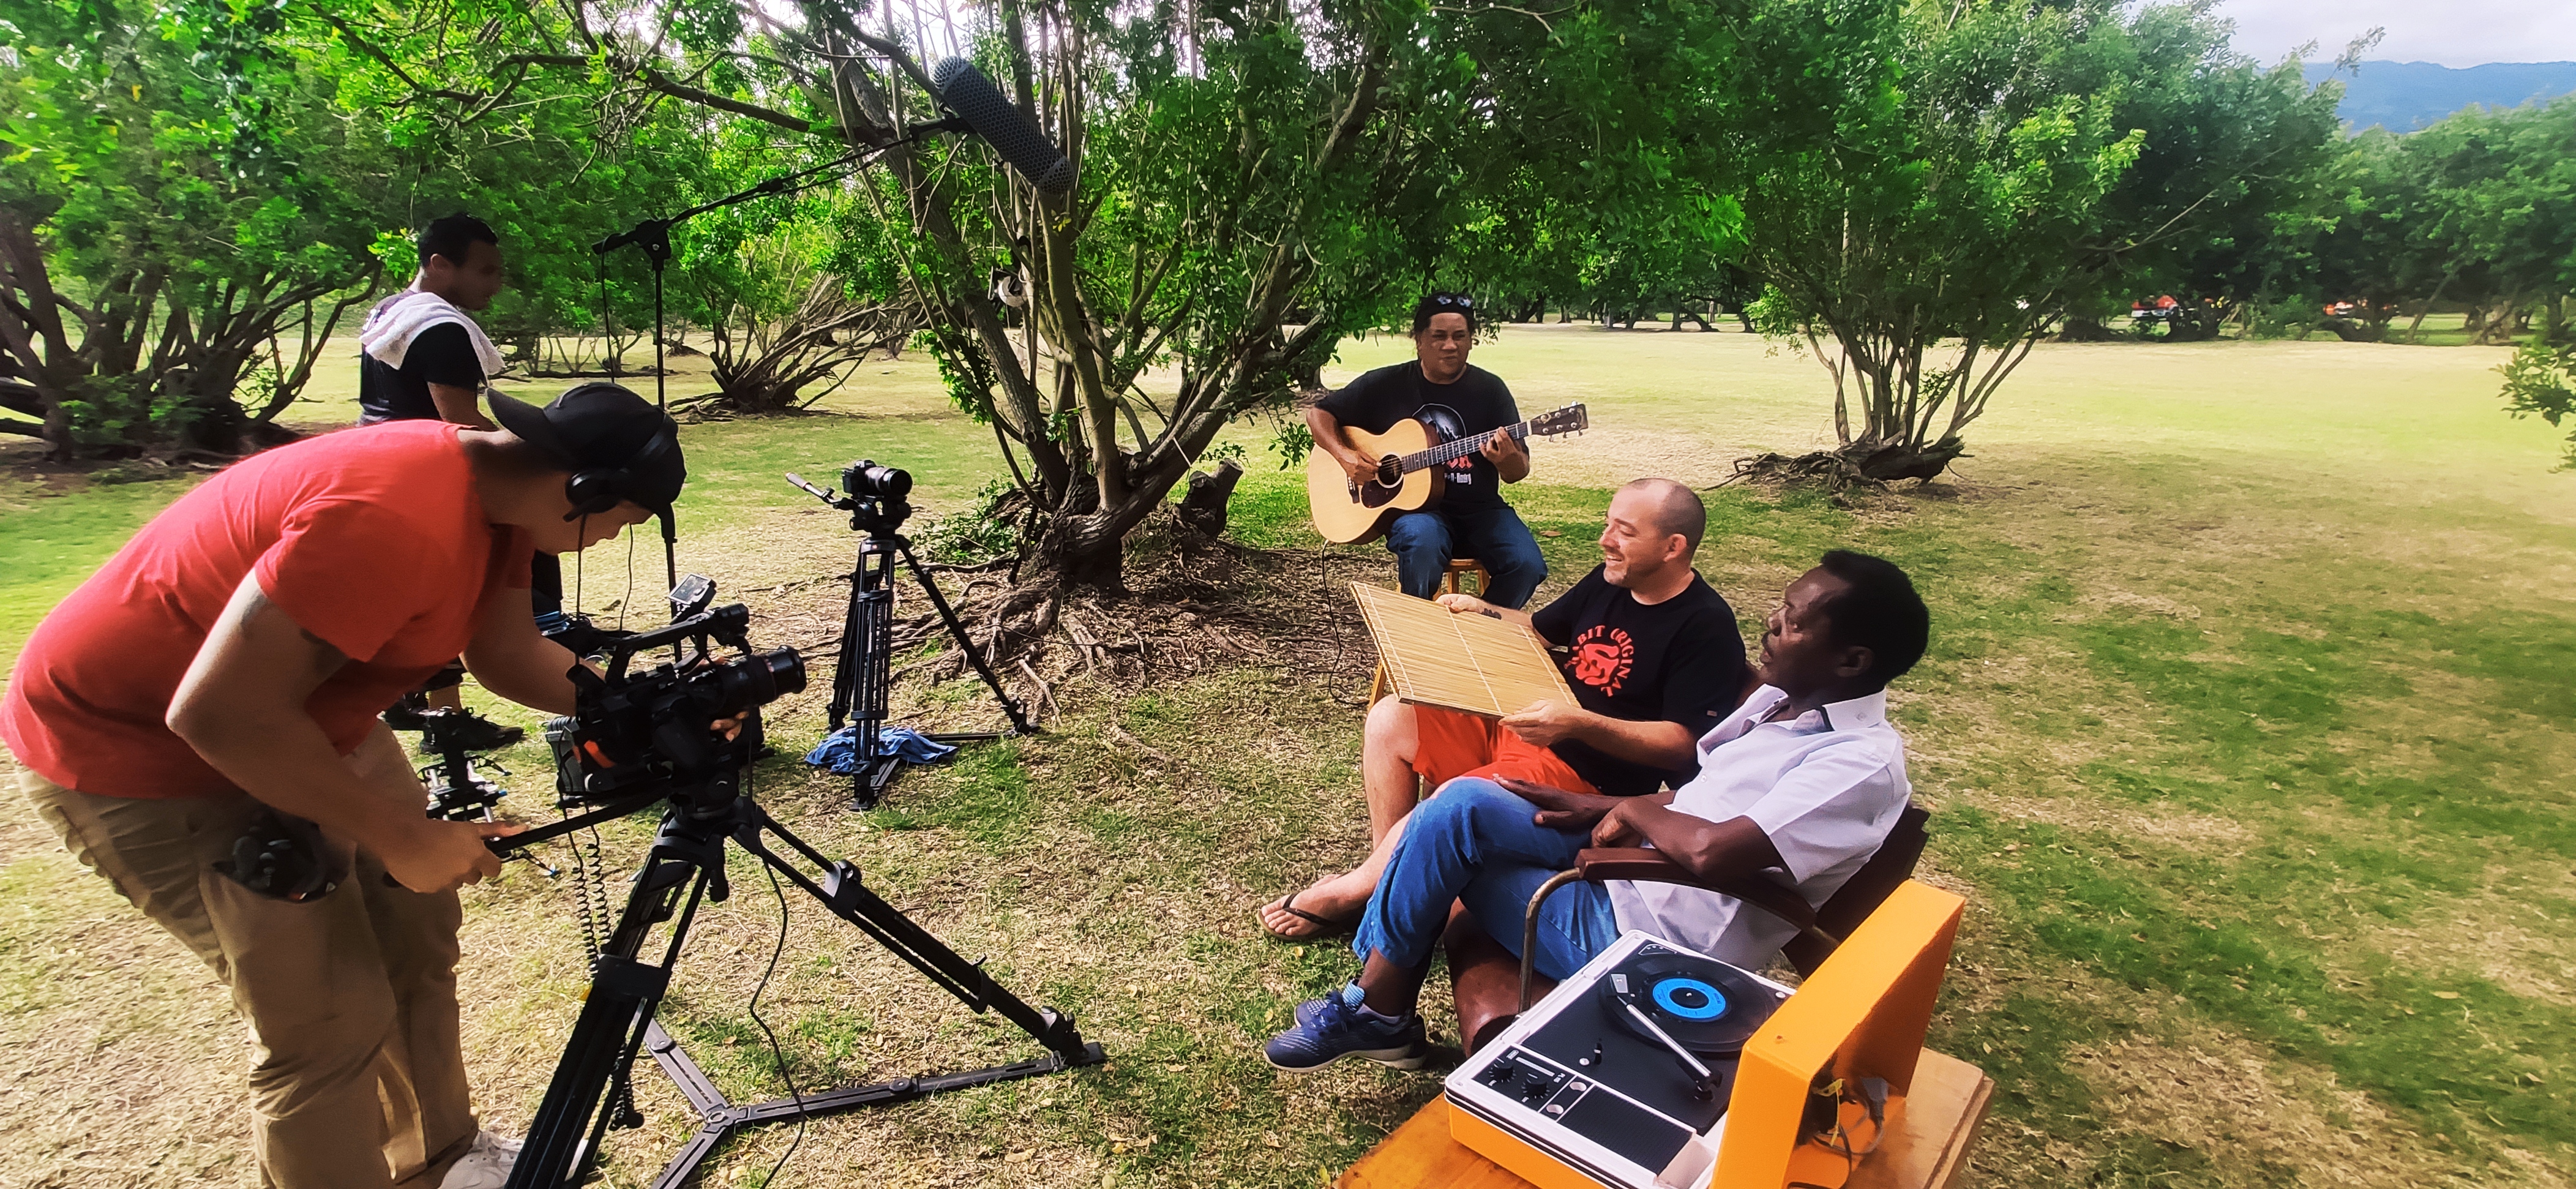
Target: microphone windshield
[981, 104]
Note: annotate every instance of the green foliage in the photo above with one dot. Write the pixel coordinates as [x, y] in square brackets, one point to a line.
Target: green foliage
[981, 532]
[1927, 173]
[1594, 184]
[2478, 208]
[179, 184]
[2541, 379]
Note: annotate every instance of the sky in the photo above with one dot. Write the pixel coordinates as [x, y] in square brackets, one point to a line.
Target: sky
[2450, 32]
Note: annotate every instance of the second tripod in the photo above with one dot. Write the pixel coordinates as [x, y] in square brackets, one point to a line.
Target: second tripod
[877, 499]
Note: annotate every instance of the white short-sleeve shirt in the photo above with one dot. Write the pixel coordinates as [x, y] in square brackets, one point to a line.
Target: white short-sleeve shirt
[1826, 787]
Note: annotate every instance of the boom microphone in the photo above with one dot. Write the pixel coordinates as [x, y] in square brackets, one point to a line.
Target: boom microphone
[976, 100]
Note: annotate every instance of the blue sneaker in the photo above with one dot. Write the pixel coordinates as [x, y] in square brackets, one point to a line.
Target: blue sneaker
[1336, 1026]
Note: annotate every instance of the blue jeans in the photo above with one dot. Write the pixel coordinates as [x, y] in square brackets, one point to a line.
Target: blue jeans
[1475, 843]
[1423, 543]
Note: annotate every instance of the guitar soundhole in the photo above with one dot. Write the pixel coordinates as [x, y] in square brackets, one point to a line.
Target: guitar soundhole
[1389, 484]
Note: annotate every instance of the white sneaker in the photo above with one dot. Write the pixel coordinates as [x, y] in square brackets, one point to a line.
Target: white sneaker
[486, 1165]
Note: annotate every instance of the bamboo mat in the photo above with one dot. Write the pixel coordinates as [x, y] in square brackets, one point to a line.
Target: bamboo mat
[1474, 663]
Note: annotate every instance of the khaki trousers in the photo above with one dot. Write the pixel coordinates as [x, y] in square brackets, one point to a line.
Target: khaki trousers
[357, 1076]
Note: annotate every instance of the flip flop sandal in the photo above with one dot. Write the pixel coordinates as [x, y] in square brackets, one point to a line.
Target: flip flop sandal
[1325, 926]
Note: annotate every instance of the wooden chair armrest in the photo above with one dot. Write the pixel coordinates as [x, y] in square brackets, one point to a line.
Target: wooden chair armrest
[1640, 863]
[1652, 866]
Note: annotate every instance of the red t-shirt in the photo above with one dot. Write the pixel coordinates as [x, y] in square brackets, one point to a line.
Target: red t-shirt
[371, 539]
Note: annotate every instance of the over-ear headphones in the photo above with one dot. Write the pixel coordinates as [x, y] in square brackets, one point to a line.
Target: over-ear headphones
[595, 490]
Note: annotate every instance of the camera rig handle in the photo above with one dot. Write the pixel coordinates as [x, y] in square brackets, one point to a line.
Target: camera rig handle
[798, 482]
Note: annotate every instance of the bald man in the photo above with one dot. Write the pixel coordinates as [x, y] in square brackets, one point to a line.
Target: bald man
[1651, 652]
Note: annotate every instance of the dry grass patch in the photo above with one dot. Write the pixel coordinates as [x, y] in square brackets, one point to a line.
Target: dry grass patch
[2256, 1120]
[124, 1059]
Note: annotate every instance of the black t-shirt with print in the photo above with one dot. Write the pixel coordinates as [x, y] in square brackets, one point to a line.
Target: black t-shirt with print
[1680, 661]
[441, 354]
[1473, 403]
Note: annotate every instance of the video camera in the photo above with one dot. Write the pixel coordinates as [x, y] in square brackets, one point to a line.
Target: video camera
[661, 727]
[878, 498]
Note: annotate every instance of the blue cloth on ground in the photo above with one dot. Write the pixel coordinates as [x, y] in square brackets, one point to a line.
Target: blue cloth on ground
[839, 751]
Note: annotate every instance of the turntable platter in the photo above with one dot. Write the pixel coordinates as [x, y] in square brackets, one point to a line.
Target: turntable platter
[1708, 1006]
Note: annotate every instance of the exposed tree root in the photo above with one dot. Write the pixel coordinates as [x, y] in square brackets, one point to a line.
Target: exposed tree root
[1862, 466]
[1831, 470]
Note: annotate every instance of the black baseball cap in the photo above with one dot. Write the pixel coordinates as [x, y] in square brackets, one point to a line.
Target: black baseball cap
[603, 427]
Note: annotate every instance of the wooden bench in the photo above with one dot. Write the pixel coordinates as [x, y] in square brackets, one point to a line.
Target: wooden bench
[1926, 1147]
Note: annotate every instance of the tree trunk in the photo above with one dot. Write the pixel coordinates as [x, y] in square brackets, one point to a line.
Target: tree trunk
[1204, 508]
[1891, 462]
[32, 332]
[2418, 323]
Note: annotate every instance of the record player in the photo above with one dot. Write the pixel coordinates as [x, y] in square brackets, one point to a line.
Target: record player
[1621, 1068]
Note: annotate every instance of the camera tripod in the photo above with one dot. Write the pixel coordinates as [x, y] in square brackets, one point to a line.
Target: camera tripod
[686, 867]
[862, 678]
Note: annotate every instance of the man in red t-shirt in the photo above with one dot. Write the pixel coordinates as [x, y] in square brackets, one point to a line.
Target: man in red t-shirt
[218, 680]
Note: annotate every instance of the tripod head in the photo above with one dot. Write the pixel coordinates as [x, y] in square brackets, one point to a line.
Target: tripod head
[876, 497]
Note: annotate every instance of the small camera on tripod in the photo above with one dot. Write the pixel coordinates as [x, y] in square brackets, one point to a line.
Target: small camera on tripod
[878, 498]
[666, 725]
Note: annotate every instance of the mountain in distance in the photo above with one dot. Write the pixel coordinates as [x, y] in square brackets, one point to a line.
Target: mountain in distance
[2405, 96]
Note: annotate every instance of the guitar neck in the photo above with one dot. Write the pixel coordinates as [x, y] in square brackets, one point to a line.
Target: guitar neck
[1448, 452]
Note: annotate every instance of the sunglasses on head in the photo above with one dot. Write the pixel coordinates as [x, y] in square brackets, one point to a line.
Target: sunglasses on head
[1452, 299]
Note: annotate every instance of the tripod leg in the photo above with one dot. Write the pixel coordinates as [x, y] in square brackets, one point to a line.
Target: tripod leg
[845, 664]
[848, 898]
[957, 630]
[616, 1013]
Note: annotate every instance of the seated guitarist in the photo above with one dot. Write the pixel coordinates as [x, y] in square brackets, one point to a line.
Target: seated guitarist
[1467, 517]
[1654, 661]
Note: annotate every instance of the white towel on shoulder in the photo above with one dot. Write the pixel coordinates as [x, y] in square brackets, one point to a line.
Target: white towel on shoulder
[397, 320]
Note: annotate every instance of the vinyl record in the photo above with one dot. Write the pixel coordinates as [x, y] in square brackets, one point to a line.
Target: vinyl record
[1709, 1007]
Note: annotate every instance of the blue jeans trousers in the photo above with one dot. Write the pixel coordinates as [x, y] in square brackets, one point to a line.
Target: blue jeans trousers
[1423, 543]
[1475, 843]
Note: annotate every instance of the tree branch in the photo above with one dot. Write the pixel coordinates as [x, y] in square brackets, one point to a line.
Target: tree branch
[655, 80]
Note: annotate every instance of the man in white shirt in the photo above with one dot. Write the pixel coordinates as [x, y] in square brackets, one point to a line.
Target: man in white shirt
[1800, 784]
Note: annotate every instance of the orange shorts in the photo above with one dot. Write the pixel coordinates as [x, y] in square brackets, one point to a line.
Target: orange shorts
[1452, 743]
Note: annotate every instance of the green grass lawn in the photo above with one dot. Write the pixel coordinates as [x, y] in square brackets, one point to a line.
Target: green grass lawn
[2246, 728]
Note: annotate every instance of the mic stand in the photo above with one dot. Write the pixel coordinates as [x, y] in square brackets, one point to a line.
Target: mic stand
[862, 678]
[653, 236]
[591, 1088]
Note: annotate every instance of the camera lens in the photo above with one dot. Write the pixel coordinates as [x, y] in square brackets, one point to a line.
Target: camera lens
[867, 479]
[758, 679]
[786, 669]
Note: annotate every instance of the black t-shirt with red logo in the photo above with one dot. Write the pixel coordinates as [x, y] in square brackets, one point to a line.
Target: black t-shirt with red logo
[1680, 660]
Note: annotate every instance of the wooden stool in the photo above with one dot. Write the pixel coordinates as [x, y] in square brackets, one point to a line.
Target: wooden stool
[1926, 1146]
[1457, 567]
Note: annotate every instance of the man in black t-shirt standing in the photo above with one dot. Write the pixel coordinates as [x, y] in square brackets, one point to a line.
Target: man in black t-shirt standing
[1469, 519]
[1654, 659]
[423, 358]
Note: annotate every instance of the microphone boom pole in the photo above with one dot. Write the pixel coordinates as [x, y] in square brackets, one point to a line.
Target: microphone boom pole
[975, 105]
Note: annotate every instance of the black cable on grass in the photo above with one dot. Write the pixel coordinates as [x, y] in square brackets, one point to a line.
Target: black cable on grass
[777, 1055]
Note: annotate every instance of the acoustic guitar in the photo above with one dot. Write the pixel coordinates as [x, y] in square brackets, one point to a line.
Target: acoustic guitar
[1410, 457]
